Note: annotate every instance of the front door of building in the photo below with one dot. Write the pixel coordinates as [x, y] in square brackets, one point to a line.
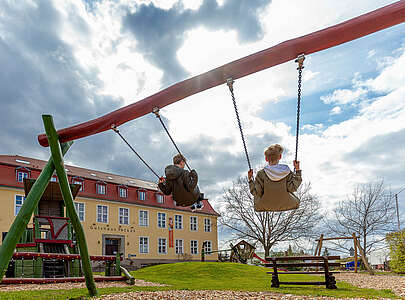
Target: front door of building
[112, 246]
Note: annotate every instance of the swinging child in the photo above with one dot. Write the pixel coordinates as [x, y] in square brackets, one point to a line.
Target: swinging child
[274, 185]
[182, 184]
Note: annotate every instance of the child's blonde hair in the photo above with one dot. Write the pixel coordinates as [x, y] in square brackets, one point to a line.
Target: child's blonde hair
[273, 152]
[177, 159]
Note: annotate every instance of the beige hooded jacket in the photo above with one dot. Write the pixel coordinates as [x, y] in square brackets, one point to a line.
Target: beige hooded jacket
[273, 188]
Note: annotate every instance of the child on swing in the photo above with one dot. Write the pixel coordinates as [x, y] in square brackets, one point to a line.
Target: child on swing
[274, 184]
[182, 184]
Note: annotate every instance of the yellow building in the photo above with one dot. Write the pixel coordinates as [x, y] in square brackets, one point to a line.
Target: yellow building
[119, 214]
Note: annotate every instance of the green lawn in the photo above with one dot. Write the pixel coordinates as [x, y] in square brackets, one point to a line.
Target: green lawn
[211, 276]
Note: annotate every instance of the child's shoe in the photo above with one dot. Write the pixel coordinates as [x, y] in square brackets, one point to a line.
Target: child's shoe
[199, 205]
[193, 208]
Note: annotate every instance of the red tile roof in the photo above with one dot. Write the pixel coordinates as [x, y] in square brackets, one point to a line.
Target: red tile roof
[109, 178]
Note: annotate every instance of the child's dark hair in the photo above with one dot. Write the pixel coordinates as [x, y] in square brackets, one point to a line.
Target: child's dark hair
[177, 159]
[273, 152]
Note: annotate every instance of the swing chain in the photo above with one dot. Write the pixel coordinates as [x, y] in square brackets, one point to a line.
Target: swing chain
[230, 82]
[155, 110]
[114, 127]
[300, 60]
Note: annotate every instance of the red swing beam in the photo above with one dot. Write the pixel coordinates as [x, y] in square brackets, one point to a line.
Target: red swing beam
[347, 31]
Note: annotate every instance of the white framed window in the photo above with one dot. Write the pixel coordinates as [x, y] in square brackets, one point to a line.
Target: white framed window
[101, 188]
[162, 246]
[123, 215]
[179, 247]
[142, 195]
[21, 174]
[194, 247]
[102, 213]
[193, 223]
[79, 181]
[178, 221]
[122, 192]
[18, 202]
[143, 244]
[160, 198]
[54, 178]
[207, 246]
[161, 220]
[207, 225]
[143, 218]
[80, 210]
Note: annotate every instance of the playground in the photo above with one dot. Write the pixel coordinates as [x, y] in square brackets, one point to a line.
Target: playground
[197, 280]
[50, 259]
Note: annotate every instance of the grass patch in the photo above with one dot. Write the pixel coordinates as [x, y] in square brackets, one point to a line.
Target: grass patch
[211, 276]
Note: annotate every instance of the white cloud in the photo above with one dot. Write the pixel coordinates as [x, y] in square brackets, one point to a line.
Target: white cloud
[336, 110]
[391, 77]
[371, 53]
[344, 96]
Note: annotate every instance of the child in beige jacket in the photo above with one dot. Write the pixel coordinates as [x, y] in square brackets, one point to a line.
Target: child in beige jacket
[274, 185]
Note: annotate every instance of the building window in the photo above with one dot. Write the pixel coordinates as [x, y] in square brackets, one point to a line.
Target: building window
[142, 195]
[78, 181]
[143, 244]
[162, 246]
[80, 210]
[207, 246]
[19, 200]
[193, 247]
[160, 198]
[101, 188]
[179, 247]
[102, 213]
[193, 224]
[21, 174]
[143, 218]
[178, 221]
[161, 220]
[207, 225]
[54, 178]
[123, 192]
[123, 216]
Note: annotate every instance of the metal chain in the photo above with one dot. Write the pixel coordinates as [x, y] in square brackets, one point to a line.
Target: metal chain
[113, 127]
[300, 60]
[230, 82]
[156, 112]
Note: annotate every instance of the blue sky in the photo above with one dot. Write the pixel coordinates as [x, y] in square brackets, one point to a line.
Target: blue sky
[79, 60]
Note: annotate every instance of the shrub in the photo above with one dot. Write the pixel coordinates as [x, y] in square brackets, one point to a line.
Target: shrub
[396, 241]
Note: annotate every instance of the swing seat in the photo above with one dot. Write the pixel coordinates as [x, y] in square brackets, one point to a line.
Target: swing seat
[275, 197]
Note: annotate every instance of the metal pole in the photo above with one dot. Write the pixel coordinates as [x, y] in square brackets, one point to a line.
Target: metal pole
[396, 202]
[68, 199]
[22, 219]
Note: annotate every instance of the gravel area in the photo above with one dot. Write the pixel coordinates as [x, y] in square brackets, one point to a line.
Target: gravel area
[71, 285]
[208, 295]
[394, 283]
[378, 282]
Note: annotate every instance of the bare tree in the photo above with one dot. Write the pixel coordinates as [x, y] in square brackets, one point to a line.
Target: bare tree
[369, 212]
[268, 228]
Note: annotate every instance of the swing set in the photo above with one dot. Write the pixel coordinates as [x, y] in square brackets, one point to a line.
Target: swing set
[61, 140]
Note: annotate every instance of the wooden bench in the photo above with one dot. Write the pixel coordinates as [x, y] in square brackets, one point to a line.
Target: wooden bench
[307, 261]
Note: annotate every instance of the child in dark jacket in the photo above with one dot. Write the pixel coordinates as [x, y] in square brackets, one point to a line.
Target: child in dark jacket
[182, 184]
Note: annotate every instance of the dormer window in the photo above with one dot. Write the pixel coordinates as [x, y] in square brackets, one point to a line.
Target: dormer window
[79, 181]
[22, 173]
[123, 191]
[142, 195]
[159, 198]
[101, 188]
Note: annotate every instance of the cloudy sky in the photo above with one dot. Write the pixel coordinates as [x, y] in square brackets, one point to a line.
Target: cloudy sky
[78, 60]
